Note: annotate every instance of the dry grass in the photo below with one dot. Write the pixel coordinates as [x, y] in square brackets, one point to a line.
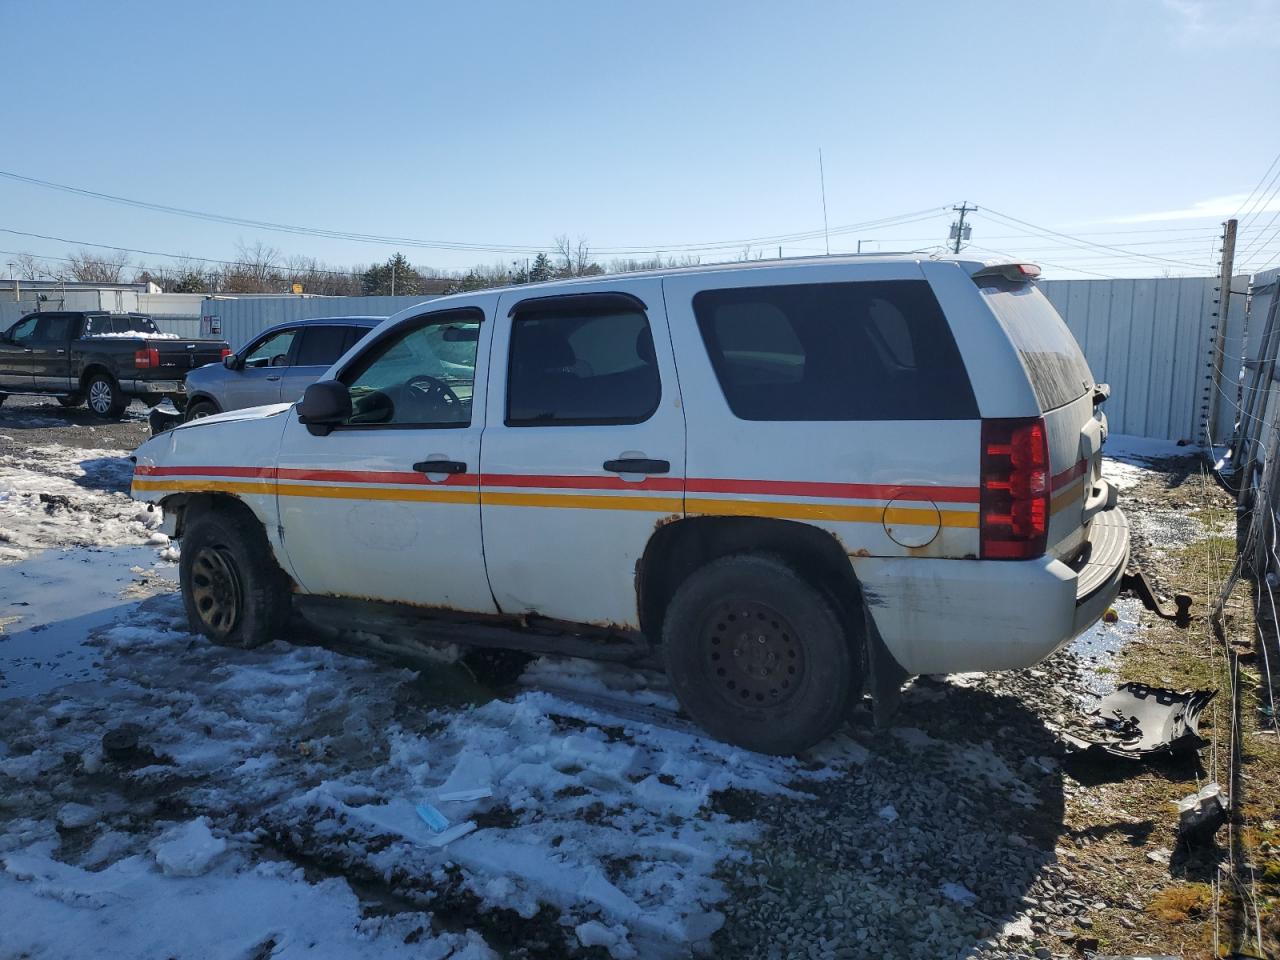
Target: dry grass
[1190, 901]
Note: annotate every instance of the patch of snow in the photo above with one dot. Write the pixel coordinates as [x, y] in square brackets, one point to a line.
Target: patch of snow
[132, 335]
[887, 813]
[237, 909]
[188, 850]
[1144, 450]
[74, 816]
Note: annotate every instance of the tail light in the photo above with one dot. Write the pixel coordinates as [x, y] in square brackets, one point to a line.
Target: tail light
[1014, 508]
[226, 352]
[146, 358]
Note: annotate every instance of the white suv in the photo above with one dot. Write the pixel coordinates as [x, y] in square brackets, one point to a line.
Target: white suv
[796, 478]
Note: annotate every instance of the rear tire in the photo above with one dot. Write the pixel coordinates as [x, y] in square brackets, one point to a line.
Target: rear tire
[233, 591]
[758, 656]
[71, 400]
[199, 409]
[106, 400]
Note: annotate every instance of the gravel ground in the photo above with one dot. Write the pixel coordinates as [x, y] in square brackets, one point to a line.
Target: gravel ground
[38, 421]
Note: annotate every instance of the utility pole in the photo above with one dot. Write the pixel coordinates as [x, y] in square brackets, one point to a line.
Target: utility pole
[1220, 321]
[393, 276]
[959, 232]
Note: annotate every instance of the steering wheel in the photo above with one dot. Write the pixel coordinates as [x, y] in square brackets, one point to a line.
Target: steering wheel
[430, 390]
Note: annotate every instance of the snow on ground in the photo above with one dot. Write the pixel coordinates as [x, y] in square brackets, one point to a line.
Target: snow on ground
[163, 797]
[67, 496]
[294, 750]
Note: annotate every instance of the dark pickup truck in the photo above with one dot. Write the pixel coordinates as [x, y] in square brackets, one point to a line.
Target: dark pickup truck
[104, 358]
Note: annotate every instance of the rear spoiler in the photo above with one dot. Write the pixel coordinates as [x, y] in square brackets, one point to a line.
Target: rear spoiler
[1015, 272]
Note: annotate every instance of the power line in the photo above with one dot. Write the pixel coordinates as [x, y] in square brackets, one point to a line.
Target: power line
[1236, 215]
[148, 253]
[1089, 243]
[456, 245]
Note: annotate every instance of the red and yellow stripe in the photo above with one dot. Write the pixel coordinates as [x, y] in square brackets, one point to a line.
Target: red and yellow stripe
[804, 500]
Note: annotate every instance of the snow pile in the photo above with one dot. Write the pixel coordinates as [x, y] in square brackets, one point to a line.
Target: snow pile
[188, 850]
[57, 496]
[132, 335]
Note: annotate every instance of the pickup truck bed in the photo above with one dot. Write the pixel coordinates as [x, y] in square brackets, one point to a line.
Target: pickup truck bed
[104, 359]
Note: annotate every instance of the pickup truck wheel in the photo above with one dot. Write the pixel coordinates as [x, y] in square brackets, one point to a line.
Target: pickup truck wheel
[72, 400]
[199, 410]
[105, 398]
[757, 655]
[233, 591]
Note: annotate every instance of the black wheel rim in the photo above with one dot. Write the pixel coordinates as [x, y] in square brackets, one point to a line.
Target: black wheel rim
[753, 657]
[216, 590]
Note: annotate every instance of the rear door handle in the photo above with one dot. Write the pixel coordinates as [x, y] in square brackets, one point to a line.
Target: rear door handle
[637, 465]
[440, 466]
[273, 378]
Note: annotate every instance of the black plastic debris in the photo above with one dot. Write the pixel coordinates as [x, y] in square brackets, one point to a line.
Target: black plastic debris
[121, 743]
[1137, 720]
[159, 421]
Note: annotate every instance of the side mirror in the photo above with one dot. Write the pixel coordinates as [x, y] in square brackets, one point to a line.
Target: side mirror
[325, 404]
[232, 362]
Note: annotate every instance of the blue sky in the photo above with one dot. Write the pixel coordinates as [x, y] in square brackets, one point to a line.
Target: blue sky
[643, 126]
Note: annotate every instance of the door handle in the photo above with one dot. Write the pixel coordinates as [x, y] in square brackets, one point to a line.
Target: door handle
[440, 466]
[637, 465]
[26, 349]
[60, 350]
[273, 378]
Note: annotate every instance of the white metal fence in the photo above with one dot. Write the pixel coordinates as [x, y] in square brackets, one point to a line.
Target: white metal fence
[240, 319]
[1152, 340]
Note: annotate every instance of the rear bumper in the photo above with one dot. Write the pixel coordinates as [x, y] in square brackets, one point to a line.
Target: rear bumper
[956, 616]
[153, 386]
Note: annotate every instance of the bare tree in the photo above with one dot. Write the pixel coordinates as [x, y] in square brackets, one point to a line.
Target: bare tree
[87, 267]
[30, 267]
[576, 256]
[257, 270]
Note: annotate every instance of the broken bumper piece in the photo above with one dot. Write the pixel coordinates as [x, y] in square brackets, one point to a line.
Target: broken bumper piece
[1137, 720]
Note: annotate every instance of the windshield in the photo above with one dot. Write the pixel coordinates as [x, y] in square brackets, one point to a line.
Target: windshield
[1058, 370]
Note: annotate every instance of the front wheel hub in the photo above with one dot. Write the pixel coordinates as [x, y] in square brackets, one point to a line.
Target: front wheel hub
[216, 589]
[752, 654]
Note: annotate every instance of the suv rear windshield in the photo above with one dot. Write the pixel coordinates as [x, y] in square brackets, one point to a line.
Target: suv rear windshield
[1058, 370]
[874, 350]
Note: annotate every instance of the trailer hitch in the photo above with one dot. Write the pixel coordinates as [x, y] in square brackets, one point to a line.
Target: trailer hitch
[1138, 583]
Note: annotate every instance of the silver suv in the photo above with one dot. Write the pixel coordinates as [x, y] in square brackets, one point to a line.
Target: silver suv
[274, 367]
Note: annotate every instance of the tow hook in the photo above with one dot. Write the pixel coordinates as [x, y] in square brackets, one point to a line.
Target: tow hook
[1137, 583]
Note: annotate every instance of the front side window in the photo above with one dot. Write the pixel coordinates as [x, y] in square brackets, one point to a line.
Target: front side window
[320, 346]
[23, 330]
[420, 375]
[875, 350]
[271, 352]
[53, 327]
[572, 364]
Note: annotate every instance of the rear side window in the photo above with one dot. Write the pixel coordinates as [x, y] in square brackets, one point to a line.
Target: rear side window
[581, 365]
[1057, 369]
[320, 346]
[877, 350]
